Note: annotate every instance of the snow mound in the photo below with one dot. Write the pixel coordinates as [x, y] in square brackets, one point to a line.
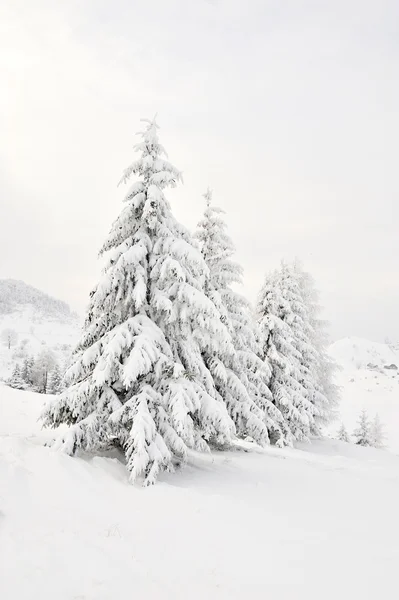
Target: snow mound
[358, 353]
[272, 523]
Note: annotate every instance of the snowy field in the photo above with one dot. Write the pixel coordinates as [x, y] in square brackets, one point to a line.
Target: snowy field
[316, 522]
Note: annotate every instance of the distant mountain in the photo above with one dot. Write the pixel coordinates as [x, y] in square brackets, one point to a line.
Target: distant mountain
[369, 379]
[38, 320]
[15, 295]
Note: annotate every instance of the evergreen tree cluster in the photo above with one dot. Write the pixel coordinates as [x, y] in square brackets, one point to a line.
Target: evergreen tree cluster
[41, 374]
[171, 358]
[367, 433]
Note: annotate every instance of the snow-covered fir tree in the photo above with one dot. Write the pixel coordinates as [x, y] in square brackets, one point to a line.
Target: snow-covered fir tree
[343, 434]
[41, 369]
[241, 376]
[138, 379]
[362, 433]
[318, 365]
[27, 371]
[278, 306]
[55, 381]
[293, 343]
[377, 432]
[16, 381]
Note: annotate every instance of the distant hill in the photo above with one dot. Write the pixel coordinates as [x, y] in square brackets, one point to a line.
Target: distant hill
[357, 353]
[15, 295]
[38, 320]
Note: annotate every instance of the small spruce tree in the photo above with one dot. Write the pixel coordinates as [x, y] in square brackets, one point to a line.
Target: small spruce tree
[55, 381]
[138, 379]
[16, 381]
[27, 371]
[343, 434]
[377, 433]
[41, 369]
[362, 433]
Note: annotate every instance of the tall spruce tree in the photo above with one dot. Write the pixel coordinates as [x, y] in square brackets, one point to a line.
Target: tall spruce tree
[241, 376]
[295, 344]
[279, 309]
[317, 363]
[138, 378]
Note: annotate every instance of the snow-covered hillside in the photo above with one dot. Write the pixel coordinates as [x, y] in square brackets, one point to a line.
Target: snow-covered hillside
[353, 353]
[316, 522]
[38, 320]
[369, 380]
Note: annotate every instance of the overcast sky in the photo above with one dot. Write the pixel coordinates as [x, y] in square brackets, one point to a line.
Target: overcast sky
[288, 109]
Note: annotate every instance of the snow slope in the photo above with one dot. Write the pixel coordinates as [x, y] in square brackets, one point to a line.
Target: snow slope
[316, 522]
[37, 318]
[354, 353]
[367, 383]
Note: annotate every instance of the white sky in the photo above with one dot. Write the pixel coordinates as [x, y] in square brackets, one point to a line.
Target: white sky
[288, 110]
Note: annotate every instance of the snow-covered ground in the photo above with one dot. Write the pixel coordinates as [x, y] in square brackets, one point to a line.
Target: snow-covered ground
[366, 383]
[316, 522]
